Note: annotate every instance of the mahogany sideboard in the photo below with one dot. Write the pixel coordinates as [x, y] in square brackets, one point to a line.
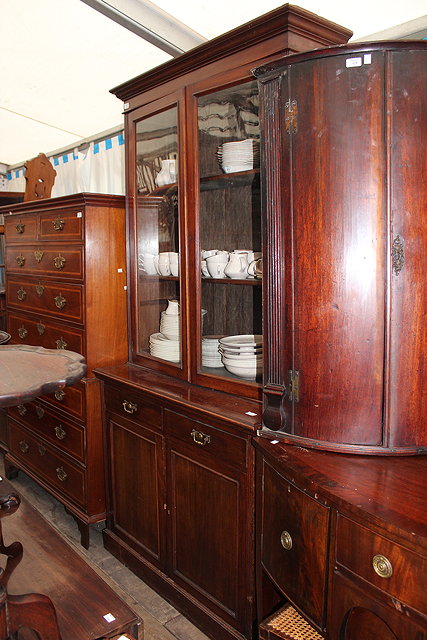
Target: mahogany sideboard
[343, 539]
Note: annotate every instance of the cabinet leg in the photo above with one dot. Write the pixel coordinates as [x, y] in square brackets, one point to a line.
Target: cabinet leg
[11, 472]
[84, 529]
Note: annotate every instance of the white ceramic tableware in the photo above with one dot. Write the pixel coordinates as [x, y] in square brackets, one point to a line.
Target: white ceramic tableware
[164, 263]
[237, 266]
[216, 265]
[174, 262]
[148, 262]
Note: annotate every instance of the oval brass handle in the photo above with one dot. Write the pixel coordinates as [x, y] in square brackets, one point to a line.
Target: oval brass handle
[200, 438]
[59, 262]
[24, 446]
[60, 301]
[20, 227]
[60, 432]
[286, 540]
[20, 260]
[22, 409]
[60, 395]
[39, 411]
[22, 332]
[21, 293]
[61, 473]
[58, 224]
[42, 450]
[382, 566]
[129, 407]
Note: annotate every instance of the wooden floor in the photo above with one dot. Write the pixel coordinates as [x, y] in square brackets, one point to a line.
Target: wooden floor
[161, 620]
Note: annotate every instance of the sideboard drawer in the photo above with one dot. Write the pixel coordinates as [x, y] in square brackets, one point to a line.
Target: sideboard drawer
[20, 228]
[385, 564]
[294, 533]
[228, 448]
[49, 260]
[45, 333]
[70, 399]
[133, 405]
[61, 226]
[48, 464]
[58, 299]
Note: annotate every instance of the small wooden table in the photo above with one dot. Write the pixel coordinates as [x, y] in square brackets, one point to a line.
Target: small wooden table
[27, 372]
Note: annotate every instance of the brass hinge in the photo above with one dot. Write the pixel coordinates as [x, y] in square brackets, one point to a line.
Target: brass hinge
[293, 390]
[291, 116]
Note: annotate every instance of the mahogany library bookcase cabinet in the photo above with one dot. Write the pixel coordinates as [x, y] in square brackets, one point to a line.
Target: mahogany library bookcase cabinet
[180, 414]
[65, 289]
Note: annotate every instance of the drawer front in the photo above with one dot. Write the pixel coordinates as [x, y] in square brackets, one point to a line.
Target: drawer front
[62, 226]
[42, 421]
[45, 333]
[226, 447]
[294, 552]
[20, 228]
[41, 296]
[70, 399]
[131, 404]
[48, 464]
[59, 261]
[402, 571]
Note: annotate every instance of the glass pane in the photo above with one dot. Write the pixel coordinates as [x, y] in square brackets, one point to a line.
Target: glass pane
[230, 233]
[157, 228]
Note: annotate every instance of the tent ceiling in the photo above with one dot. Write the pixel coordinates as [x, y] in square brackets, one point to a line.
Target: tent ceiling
[61, 57]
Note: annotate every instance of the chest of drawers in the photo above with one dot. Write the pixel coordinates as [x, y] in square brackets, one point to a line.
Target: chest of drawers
[65, 289]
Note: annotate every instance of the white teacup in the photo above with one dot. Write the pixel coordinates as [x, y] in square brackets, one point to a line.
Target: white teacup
[149, 262]
[207, 253]
[164, 263]
[216, 265]
[255, 268]
[174, 262]
[204, 268]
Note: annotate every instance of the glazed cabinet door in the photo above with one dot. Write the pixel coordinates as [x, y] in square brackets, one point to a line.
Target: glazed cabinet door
[227, 343]
[136, 502]
[156, 229]
[209, 509]
[326, 231]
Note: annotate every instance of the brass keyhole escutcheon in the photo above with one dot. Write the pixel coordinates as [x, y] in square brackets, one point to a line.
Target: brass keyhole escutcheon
[38, 254]
[22, 294]
[20, 260]
[41, 328]
[382, 566]
[20, 227]
[39, 290]
[39, 411]
[24, 446]
[286, 540]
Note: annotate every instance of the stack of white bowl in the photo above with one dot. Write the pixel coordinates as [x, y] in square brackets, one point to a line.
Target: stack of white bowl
[238, 156]
[211, 357]
[242, 355]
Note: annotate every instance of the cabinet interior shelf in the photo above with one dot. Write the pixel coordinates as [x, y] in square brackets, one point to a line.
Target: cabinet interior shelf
[221, 180]
[248, 281]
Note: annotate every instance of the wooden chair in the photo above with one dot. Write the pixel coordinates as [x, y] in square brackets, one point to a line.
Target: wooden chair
[39, 178]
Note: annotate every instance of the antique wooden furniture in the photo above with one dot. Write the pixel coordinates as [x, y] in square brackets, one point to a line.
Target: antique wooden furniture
[39, 178]
[86, 607]
[346, 247]
[344, 539]
[178, 428]
[65, 284]
[27, 372]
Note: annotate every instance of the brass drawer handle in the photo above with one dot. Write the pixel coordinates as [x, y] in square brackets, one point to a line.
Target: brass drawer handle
[60, 432]
[200, 438]
[286, 540]
[21, 294]
[61, 474]
[58, 224]
[39, 290]
[38, 254]
[22, 409]
[24, 446]
[20, 260]
[60, 301]
[22, 332]
[41, 328]
[129, 407]
[382, 566]
[61, 344]
[39, 411]
[59, 262]
[20, 227]
[42, 450]
[60, 395]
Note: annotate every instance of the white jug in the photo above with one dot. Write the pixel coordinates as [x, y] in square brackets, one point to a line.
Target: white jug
[237, 267]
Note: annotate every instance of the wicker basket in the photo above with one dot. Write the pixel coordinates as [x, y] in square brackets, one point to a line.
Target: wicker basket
[287, 624]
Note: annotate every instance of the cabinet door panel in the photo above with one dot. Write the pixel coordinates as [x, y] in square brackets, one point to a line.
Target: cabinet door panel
[205, 507]
[136, 487]
[337, 259]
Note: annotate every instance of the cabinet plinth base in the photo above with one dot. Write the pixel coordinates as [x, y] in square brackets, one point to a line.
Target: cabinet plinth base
[287, 624]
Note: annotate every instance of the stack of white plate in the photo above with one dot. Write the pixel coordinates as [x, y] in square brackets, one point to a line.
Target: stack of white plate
[242, 355]
[169, 325]
[162, 347]
[211, 357]
[238, 156]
